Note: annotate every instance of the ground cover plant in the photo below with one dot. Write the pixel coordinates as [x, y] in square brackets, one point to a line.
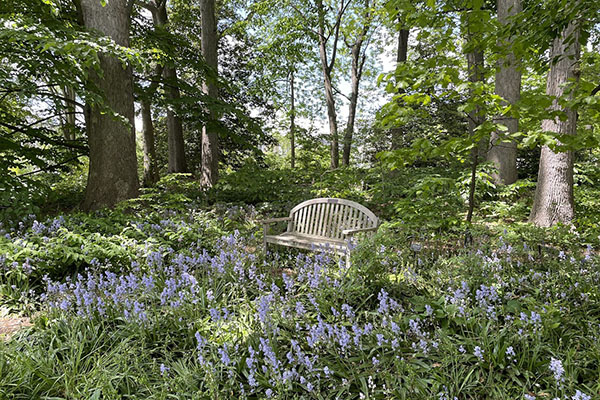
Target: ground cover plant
[184, 305]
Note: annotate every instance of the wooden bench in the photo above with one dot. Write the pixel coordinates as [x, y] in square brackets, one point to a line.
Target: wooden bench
[322, 224]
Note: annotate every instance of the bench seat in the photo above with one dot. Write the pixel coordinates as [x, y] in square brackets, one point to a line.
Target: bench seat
[298, 240]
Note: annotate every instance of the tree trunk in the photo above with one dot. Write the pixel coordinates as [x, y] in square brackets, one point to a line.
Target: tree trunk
[150, 169]
[292, 122]
[358, 63]
[402, 54]
[151, 175]
[503, 153]
[401, 57]
[113, 165]
[327, 67]
[69, 127]
[210, 138]
[175, 142]
[475, 74]
[553, 201]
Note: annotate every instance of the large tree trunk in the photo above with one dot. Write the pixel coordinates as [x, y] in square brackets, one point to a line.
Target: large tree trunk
[175, 142]
[327, 67]
[503, 153]
[553, 202]
[113, 165]
[210, 138]
[292, 122]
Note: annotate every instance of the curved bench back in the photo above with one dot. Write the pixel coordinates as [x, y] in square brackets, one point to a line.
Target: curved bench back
[328, 217]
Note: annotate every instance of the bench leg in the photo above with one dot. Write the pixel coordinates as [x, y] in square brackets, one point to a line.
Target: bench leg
[347, 260]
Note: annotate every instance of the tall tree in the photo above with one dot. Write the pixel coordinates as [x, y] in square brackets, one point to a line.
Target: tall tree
[503, 150]
[175, 142]
[401, 58]
[113, 165]
[325, 32]
[358, 53]
[553, 201]
[210, 137]
[151, 175]
[475, 72]
[292, 121]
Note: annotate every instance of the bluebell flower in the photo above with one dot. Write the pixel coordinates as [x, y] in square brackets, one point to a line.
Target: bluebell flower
[557, 369]
[579, 395]
[163, 369]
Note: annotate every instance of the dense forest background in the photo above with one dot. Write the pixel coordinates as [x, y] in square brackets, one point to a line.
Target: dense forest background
[461, 97]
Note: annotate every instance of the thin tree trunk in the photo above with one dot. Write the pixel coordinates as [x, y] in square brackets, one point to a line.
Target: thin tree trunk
[210, 138]
[292, 122]
[401, 57]
[358, 62]
[553, 202]
[150, 170]
[175, 141]
[357, 66]
[402, 54]
[475, 72]
[69, 127]
[503, 153]
[113, 165]
[327, 67]
[151, 174]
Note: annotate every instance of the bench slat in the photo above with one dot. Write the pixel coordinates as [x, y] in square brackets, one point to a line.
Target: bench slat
[302, 226]
[315, 220]
[335, 221]
[325, 226]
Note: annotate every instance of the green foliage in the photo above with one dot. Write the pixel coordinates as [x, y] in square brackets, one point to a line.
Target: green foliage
[474, 323]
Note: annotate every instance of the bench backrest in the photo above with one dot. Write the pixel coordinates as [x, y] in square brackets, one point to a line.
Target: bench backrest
[327, 217]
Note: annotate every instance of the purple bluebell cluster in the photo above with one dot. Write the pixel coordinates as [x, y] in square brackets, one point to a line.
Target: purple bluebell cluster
[303, 324]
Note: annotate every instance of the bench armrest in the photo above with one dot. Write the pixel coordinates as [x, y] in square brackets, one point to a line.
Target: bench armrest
[351, 232]
[273, 220]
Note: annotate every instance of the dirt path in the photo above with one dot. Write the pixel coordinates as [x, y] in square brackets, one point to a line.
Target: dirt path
[10, 324]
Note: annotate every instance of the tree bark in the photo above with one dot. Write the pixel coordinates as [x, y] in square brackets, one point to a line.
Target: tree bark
[150, 170]
[401, 57]
[475, 65]
[327, 67]
[358, 62]
[503, 153]
[175, 141]
[69, 127]
[210, 138]
[151, 174]
[113, 165]
[292, 122]
[402, 54]
[553, 202]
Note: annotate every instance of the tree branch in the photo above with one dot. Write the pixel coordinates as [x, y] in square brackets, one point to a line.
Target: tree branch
[52, 167]
[152, 7]
[340, 93]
